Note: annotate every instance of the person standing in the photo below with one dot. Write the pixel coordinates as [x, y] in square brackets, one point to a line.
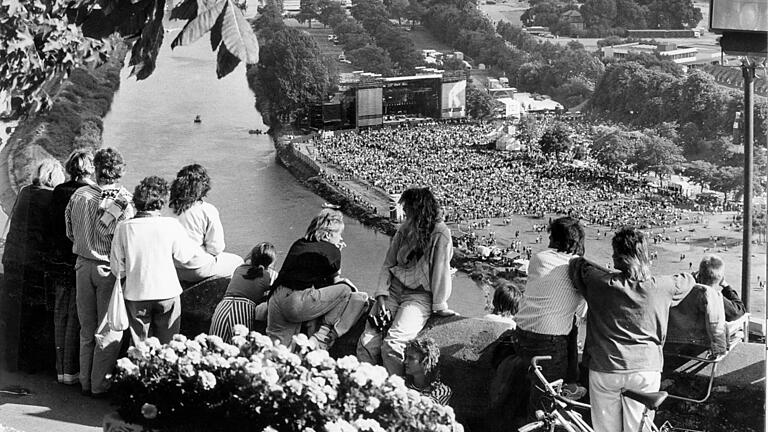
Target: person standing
[201, 221]
[27, 307]
[626, 328]
[61, 267]
[143, 253]
[415, 281]
[550, 303]
[91, 217]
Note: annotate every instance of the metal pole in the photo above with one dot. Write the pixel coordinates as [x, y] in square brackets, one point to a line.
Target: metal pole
[748, 72]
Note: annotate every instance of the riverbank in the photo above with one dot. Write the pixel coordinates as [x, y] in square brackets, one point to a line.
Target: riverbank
[74, 121]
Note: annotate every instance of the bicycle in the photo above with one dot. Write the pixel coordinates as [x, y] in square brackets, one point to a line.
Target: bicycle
[562, 416]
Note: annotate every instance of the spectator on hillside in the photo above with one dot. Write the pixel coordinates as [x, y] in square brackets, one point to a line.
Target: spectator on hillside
[91, 217]
[712, 273]
[27, 306]
[550, 303]
[626, 328]
[201, 221]
[144, 250]
[506, 302]
[414, 283]
[246, 291]
[422, 372]
[309, 286]
[61, 268]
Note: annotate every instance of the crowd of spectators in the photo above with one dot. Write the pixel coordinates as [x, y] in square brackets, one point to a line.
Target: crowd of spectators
[477, 182]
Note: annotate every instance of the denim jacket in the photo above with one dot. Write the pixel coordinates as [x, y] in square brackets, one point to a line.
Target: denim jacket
[699, 319]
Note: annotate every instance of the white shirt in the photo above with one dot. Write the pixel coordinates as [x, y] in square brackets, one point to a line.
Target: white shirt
[550, 299]
[143, 250]
[203, 225]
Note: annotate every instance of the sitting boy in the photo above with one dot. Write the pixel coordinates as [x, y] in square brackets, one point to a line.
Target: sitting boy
[421, 371]
[506, 301]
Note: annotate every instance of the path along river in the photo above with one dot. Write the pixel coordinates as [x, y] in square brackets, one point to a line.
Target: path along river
[151, 123]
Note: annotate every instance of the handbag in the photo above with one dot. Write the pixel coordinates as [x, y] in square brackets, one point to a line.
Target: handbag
[117, 314]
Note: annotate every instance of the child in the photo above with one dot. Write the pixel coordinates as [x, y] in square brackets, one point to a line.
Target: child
[506, 300]
[421, 371]
[248, 287]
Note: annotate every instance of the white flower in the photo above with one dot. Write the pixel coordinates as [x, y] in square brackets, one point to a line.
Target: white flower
[348, 363]
[194, 357]
[230, 350]
[201, 338]
[368, 425]
[207, 380]
[187, 371]
[269, 375]
[260, 340]
[193, 345]
[169, 355]
[179, 338]
[253, 368]
[340, 425]
[396, 381]
[134, 353]
[238, 341]
[127, 366]
[240, 330]
[315, 358]
[302, 341]
[269, 429]
[295, 385]
[177, 346]
[373, 403]
[153, 343]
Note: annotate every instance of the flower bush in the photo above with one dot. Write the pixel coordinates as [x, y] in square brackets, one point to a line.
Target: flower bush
[255, 384]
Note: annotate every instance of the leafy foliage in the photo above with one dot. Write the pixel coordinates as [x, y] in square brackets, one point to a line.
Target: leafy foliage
[479, 103]
[556, 139]
[40, 42]
[290, 74]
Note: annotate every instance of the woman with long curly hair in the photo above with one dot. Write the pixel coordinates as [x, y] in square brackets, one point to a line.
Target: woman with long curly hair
[415, 282]
[201, 221]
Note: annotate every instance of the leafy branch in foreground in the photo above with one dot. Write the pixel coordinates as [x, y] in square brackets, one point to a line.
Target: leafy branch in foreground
[40, 42]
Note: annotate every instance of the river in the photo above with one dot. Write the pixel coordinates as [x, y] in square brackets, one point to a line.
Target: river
[151, 123]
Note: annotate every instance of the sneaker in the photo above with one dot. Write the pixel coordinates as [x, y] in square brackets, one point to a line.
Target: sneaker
[573, 392]
[323, 338]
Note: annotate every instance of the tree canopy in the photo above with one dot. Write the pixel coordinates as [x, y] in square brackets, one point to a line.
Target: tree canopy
[41, 42]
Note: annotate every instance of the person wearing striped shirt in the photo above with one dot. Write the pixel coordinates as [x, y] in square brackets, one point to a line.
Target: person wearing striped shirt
[421, 370]
[91, 218]
[550, 303]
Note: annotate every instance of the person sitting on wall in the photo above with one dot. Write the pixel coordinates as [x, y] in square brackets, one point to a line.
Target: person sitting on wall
[201, 221]
[506, 302]
[712, 271]
[246, 291]
[309, 286]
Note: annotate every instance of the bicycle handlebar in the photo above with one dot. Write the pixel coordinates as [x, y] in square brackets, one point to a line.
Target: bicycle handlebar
[548, 387]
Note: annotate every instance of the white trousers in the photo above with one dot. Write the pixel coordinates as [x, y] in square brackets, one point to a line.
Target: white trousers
[611, 412]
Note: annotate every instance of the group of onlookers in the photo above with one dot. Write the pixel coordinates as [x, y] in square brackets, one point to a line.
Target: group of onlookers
[69, 242]
[632, 317]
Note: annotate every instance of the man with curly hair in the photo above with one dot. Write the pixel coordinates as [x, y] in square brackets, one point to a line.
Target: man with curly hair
[91, 218]
[143, 253]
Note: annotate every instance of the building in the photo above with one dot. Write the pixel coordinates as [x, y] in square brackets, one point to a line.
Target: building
[574, 20]
[665, 51]
[370, 100]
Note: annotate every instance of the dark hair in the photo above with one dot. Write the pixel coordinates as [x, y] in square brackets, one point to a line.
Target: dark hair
[567, 235]
[430, 355]
[506, 299]
[710, 270]
[79, 163]
[109, 165]
[423, 212]
[630, 253]
[191, 185]
[151, 194]
[262, 256]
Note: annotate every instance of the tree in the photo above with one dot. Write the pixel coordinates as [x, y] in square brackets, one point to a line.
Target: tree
[308, 11]
[331, 13]
[700, 172]
[659, 155]
[673, 14]
[616, 149]
[41, 42]
[371, 58]
[556, 140]
[599, 14]
[415, 11]
[479, 103]
[398, 10]
[289, 75]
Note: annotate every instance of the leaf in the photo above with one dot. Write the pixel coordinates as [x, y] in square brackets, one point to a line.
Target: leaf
[226, 62]
[216, 33]
[186, 10]
[238, 35]
[196, 28]
[146, 48]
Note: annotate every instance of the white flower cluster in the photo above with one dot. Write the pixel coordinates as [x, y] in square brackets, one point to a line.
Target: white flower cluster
[274, 383]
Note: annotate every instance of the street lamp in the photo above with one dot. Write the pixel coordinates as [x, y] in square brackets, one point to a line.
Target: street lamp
[744, 26]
